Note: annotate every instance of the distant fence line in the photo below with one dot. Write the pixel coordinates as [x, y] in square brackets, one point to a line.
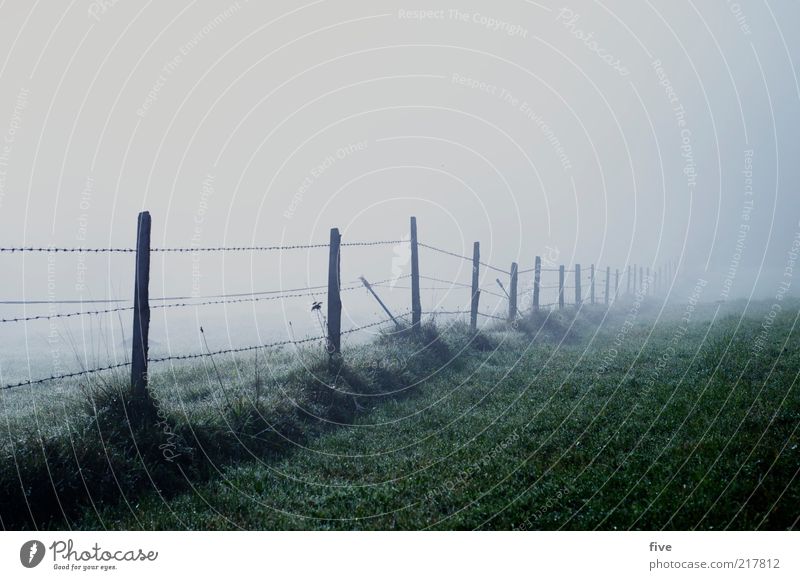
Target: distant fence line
[637, 279]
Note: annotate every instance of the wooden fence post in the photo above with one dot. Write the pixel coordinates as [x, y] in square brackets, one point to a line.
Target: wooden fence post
[141, 308]
[616, 286]
[577, 284]
[334, 297]
[641, 279]
[416, 303]
[512, 292]
[537, 278]
[629, 279]
[608, 281]
[648, 289]
[476, 292]
[591, 290]
[388, 312]
[561, 287]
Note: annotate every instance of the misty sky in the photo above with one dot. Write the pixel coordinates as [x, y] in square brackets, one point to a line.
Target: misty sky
[609, 133]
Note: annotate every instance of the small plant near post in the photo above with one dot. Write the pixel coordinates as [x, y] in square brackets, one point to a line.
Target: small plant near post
[141, 309]
[334, 297]
[537, 278]
[416, 302]
[577, 284]
[561, 287]
[512, 293]
[476, 292]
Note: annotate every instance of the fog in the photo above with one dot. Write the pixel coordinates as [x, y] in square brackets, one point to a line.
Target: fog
[613, 133]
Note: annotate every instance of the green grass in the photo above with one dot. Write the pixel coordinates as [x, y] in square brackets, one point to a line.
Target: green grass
[543, 426]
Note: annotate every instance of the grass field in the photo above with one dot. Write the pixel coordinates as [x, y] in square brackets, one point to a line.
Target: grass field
[629, 418]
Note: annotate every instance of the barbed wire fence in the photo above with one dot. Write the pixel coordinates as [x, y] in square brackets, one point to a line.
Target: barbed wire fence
[638, 280]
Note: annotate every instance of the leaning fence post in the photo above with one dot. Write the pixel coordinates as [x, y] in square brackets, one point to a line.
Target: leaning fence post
[141, 308]
[537, 278]
[577, 284]
[334, 298]
[476, 292]
[512, 292]
[416, 303]
[561, 287]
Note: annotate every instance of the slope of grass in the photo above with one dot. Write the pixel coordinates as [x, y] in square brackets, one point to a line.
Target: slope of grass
[100, 447]
[606, 421]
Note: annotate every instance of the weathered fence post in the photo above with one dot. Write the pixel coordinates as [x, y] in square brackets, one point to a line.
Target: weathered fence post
[591, 290]
[334, 297]
[388, 312]
[141, 308]
[476, 292]
[616, 286]
[634, 278]
[416, 303]
[561, 287]
[608, 281]
[641, 279]
[512, 293]
[577, 284]
[648, 289]
[537, 278]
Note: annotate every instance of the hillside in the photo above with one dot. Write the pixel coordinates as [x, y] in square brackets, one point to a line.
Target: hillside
[618, 420]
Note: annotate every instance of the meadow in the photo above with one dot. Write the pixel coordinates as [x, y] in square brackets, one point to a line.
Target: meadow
[636, 417]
